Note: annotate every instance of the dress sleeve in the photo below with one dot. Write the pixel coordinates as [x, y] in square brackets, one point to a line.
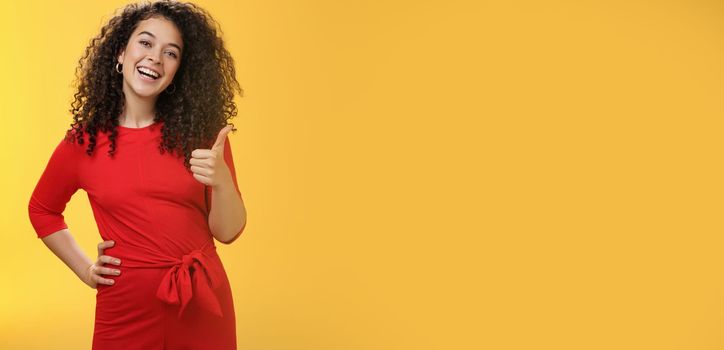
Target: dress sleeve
[229, 159]
[54, 189]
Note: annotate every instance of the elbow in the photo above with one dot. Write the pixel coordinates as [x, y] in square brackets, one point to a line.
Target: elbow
[235, 236]
[44, 220]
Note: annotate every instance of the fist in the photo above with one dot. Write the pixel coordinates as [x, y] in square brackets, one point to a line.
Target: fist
[208, 165]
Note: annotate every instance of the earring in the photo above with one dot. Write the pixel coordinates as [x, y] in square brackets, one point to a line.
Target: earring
[117, 69]
[174, 89]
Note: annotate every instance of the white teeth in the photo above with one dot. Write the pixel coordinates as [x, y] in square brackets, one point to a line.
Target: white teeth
[148, 71]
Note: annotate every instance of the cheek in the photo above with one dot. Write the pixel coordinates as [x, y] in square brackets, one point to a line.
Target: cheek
[133, 53]
[171, 71]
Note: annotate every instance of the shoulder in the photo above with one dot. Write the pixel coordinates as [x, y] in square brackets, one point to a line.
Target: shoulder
[72, 143]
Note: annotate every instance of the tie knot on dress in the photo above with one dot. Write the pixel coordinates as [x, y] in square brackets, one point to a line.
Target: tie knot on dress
[188, 259]
[182, 282]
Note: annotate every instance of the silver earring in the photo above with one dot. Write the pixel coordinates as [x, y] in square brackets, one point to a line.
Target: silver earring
[118, 69]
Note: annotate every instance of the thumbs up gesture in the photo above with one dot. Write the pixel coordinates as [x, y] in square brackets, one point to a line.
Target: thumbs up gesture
[208, 165]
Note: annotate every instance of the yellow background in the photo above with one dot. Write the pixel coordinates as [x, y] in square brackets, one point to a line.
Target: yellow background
[422, 174]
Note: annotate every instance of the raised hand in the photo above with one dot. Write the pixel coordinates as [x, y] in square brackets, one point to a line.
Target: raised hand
[208, 165]
[94, 271]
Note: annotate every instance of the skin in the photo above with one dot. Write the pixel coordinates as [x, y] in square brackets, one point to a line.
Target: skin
[159, 49]
[227, 216]
[155, 43]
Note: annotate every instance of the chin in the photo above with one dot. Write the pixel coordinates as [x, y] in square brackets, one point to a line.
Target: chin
[144, 91]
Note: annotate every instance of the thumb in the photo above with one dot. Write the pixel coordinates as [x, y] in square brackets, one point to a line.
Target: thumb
[221, 139]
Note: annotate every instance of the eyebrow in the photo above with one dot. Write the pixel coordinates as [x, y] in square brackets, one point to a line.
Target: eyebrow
[153, 36]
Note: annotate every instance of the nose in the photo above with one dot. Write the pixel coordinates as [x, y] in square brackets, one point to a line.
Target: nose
[154, 58]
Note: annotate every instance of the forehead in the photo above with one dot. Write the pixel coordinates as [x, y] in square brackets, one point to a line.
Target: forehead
[162, 29]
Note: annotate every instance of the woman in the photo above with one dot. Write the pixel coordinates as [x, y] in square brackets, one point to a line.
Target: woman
[155, 91]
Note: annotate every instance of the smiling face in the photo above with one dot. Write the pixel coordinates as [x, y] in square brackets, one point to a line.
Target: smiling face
[151, 57]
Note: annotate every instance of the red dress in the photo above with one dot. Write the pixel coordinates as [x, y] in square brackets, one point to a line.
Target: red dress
[173, 292]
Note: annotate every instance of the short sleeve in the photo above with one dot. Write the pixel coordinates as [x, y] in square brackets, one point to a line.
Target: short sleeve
[54, 189]
[229, 160]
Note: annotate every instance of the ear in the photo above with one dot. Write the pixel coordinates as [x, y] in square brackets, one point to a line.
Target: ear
[121, 55]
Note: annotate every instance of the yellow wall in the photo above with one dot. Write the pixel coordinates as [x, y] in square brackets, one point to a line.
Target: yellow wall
[423, 174]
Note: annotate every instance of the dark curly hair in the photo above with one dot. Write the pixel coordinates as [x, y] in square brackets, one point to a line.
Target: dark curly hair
[205, 81]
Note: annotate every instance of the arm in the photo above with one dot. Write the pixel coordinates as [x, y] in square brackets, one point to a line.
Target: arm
[227, 216]
[63, 245]
[56, 186]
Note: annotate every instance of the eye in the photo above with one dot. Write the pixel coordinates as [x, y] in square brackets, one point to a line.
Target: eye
[144, 42]
[173, 54]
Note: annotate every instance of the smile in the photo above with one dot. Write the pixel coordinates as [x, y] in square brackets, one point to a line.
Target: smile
[148, 74]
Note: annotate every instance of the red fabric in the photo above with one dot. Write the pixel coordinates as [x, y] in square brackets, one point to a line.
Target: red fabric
[157, 213]
[177, 287]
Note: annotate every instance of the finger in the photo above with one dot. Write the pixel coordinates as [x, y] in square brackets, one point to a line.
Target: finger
[109, 271]
[202, 171]
[109, 260]
[203, 162]
[203, 179]
[221, 138]
[102, 280]
[103, 245]
[201, 153]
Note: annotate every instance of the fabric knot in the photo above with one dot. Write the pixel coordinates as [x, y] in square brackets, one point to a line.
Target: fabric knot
[187, 260]
[191, 276]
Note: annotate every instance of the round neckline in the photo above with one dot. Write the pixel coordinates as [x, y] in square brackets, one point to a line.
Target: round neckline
[141, 128]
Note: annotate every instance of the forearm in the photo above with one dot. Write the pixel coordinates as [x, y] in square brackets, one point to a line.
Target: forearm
[227, 217]
[64, 246]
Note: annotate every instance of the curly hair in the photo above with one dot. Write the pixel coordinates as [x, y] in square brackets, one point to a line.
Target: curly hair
[205, 81]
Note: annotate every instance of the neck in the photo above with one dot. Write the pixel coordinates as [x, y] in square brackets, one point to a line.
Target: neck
[138, 111]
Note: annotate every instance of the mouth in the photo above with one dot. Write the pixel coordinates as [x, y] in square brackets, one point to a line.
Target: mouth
[148, 74]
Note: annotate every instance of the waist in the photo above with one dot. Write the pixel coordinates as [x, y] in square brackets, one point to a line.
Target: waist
[143, 257]
[194, 275]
